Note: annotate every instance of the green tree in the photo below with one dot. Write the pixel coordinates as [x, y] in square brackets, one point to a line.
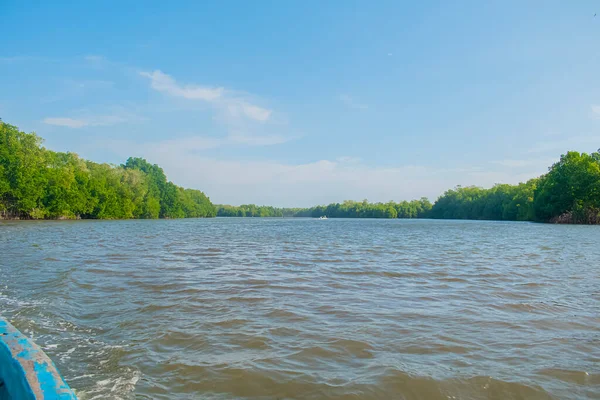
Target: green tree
[571, 185]
[39, 183]
[23, 173]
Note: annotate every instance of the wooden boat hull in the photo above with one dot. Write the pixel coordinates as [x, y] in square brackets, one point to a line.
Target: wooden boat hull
[26, 372]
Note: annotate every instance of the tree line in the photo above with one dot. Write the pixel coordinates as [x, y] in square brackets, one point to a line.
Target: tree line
[252, 210]
[37, 183]
[568, 193]
[347, 209]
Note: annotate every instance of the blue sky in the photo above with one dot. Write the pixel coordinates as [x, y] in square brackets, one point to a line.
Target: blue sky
[298, 103]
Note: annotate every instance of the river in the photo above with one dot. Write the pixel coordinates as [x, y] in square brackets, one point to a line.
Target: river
[308, 309]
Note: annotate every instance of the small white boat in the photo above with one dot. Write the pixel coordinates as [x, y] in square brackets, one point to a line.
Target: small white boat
[323, 217]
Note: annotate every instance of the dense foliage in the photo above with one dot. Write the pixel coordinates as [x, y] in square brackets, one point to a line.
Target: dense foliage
[252, 210]
[364, 209]
[39, 183]
[347, 209]
[568, 193]
[502, 202]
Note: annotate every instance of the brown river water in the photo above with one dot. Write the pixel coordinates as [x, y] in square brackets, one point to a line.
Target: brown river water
[309, 309]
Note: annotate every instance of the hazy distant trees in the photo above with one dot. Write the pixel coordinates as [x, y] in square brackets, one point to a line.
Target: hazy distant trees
[347, 209]
[568, 193]
[252, 210]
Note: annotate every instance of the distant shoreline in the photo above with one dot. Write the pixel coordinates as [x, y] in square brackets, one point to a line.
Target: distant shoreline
[40, 184]
[30, 220]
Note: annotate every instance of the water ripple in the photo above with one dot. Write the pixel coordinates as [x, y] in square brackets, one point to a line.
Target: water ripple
[337, 309]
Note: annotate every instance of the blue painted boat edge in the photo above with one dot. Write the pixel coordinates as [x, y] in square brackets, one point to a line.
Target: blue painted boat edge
[12, 376]
[26, 371]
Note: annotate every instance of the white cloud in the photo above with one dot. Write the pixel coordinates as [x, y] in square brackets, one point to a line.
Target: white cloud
[595, 111]
[165, 83]
[255, 112]
[272, 182]
[68, 122]
[304, 184]
[319, 182]
[350, 102]
[104, 120]
[230, 105]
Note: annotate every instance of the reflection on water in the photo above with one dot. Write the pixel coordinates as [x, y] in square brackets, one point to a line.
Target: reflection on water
[308, 309]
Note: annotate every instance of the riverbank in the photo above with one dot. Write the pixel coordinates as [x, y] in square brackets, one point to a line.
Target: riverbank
[585, 217]
[37, 183]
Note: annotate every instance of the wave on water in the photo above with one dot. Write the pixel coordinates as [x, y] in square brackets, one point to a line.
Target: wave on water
[362, 310]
